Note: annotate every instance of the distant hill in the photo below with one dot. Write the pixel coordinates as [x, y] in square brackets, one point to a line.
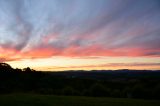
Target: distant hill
[144, 84]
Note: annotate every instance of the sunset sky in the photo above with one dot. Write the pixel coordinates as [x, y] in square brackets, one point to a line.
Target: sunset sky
[54, 35]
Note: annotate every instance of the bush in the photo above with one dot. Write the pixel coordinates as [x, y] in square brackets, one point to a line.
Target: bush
[156, 92]
[139, 91]
[116, 93]
[98, 90]
[69, 91]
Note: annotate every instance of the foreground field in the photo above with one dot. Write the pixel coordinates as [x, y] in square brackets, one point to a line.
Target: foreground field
[48, 100]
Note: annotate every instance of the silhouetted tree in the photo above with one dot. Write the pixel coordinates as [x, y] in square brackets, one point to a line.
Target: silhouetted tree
[5, 67]
[17, 70]
[27, 69]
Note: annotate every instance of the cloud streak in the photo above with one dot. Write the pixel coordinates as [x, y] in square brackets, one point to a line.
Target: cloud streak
[110, 66]
[40, 29]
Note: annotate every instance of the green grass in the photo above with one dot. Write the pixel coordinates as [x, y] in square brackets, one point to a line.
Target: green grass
[50, 100]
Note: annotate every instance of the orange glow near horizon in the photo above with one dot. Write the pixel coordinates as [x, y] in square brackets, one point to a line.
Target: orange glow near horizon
[60, 63]
[93, 58]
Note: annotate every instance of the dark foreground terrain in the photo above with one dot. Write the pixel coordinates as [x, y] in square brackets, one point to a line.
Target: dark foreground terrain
[50, 100]
[137, 84]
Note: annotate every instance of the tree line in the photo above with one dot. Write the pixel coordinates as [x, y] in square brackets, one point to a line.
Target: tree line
[78, 84]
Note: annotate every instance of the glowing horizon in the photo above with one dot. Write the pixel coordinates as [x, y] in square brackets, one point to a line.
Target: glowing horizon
[60, 63]
[59, 35]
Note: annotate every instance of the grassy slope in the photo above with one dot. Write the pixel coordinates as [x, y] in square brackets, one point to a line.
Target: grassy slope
[44, 100]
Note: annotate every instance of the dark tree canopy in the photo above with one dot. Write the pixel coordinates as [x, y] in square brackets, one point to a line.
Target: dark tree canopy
[129, 84]
[5, 67]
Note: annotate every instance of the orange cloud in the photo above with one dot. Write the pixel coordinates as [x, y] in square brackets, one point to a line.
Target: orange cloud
[98, 50]
[9, 54]
[41, 53]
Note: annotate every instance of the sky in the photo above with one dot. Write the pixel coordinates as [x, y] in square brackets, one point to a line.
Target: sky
[55, 35]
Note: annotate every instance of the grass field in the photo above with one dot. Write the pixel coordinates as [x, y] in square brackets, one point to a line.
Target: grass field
[49, 100]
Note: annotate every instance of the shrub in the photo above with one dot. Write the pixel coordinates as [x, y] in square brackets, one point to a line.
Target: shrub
[98, 90]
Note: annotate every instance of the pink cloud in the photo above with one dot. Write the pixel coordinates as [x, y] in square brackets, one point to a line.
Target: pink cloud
[9, 54]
